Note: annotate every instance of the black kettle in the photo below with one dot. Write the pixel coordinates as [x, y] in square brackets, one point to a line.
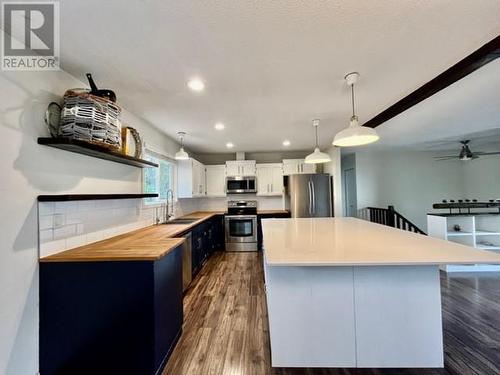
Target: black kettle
[103, 93]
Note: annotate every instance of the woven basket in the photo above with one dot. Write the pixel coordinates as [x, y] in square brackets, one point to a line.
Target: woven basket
[91, 119]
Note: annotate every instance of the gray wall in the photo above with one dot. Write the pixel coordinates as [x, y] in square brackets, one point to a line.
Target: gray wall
[410, 181]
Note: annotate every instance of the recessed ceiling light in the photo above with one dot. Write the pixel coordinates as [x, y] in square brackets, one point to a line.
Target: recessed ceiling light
[229, 145]
[286, 142]
[196, 84]
[219, 126]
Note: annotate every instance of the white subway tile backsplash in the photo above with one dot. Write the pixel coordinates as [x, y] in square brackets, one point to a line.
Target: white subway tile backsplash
[45, 222]
[76, 241]
[65, 231]
[75, 217]
[58, 220]
[86, 205]
[46, 235]
[52, 247]
[60, 207]
[45, 208]
[80, 229]
[65, 207]
[66, 225]
[94, 236]
[108, 204]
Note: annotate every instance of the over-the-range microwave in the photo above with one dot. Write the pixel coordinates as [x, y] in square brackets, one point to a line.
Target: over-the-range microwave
[241, 185]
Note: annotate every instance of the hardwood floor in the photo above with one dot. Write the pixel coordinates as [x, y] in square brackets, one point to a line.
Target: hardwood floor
[226, 332]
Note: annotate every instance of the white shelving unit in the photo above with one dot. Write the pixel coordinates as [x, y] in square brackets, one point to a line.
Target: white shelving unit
[481, 231]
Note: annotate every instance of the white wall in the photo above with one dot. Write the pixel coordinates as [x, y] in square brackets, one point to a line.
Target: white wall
[28, 170]
[410, 181]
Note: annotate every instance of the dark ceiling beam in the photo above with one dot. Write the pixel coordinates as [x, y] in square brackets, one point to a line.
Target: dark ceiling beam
[487, 53]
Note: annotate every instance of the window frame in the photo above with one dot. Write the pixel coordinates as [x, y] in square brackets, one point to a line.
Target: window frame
[161, 155]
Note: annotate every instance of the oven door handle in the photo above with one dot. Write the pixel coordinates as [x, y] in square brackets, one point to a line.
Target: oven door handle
[241, 217]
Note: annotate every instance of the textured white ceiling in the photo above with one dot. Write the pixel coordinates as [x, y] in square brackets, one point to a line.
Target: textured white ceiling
[270, 67]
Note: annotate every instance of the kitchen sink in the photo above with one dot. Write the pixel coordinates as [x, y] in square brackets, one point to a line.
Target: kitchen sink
[181, 221]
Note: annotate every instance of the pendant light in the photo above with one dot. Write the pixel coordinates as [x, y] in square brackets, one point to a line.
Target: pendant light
[354, 134]
[181, 154]
[317, 156]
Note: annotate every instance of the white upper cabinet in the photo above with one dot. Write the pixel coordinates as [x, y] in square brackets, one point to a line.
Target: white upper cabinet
[190, 179]
[240, 168]
[297, 166]
[216, 180]
[270, 179]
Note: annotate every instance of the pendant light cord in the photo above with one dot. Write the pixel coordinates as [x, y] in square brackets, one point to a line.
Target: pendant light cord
[316, 128]
[181, 136]
[352, 99]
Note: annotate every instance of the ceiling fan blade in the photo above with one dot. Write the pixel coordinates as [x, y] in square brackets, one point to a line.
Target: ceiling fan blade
[449, 157]
[487, 153]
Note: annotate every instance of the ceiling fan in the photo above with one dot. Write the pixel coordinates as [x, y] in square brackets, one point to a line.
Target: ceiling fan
[465, 153]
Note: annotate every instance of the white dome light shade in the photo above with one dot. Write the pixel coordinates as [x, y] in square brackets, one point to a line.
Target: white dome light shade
[355, 135]
[317, 157]
[181, 154]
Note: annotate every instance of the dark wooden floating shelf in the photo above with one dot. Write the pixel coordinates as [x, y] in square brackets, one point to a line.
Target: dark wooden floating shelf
[88, 197]
[81, 147]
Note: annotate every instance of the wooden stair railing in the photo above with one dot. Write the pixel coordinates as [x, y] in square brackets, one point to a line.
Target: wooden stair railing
[390, 217]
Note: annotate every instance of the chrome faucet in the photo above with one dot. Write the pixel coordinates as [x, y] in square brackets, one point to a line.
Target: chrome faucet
[169, 205]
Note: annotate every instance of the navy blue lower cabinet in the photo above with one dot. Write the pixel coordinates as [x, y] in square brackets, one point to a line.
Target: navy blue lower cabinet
[121, 317]
[220, 239]
[197, 248]
[206, 238]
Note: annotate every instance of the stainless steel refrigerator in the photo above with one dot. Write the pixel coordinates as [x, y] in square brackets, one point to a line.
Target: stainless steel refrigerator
[310, 195]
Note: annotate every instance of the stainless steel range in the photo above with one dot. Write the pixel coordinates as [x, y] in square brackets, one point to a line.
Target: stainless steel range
[241, 226]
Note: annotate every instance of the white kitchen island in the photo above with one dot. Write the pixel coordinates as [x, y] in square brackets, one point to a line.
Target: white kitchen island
[343, 292]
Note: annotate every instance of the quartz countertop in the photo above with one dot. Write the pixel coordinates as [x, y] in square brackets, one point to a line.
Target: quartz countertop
[356, 242]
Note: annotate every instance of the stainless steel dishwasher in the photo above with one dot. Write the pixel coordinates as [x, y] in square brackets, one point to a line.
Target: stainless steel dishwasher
[187, 261]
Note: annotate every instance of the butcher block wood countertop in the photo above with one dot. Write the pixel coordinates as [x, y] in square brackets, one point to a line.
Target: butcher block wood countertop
[149, 244]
